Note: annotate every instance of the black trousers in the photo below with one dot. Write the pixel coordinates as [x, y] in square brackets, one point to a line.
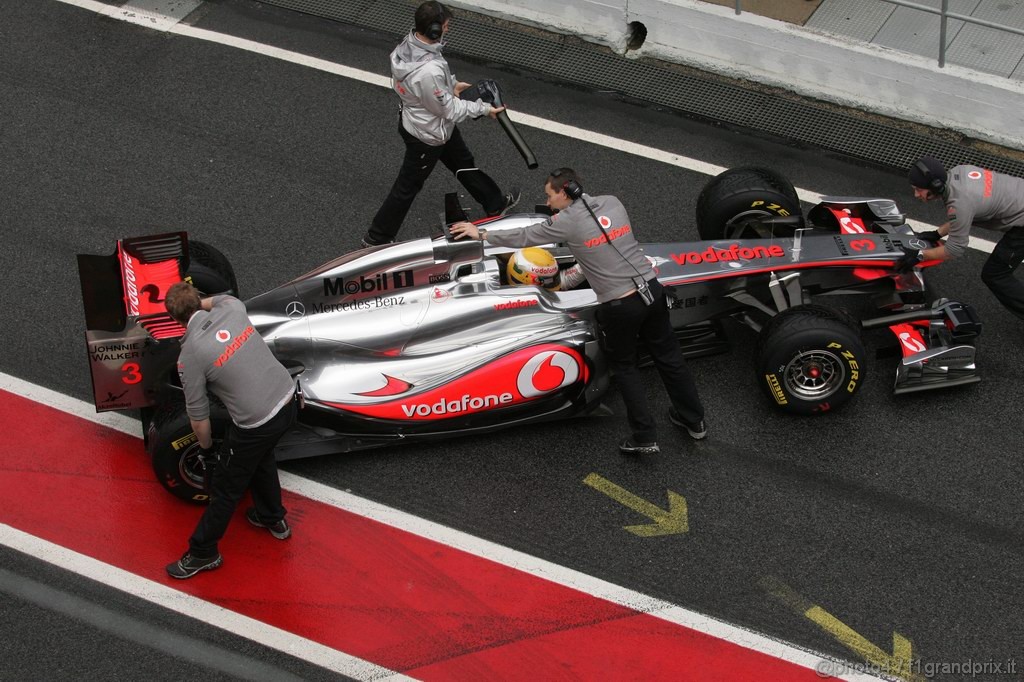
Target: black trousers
[998, 271]
[623, 323]
[420, 159]
[246, 461]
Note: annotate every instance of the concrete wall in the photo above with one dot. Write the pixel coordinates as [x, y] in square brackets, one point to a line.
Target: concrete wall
[755, 48]
[599, 21]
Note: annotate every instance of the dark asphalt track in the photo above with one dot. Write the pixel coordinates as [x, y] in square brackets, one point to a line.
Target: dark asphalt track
[895, 514]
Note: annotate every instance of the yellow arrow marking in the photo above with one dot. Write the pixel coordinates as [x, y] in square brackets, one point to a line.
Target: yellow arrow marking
[671, 522]
[899, 663]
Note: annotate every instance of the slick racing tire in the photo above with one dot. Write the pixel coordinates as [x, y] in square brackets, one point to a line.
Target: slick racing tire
[731, 204]
[175, 450]
[210, 271]
[810, 359]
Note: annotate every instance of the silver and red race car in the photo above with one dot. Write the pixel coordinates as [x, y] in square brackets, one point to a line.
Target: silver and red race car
[426, 338]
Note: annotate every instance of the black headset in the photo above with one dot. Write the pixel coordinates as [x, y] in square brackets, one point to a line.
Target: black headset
[935, 184]
[572, 189]
[436, 28]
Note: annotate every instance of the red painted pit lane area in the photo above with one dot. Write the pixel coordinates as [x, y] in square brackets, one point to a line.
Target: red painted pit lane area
[356, 585]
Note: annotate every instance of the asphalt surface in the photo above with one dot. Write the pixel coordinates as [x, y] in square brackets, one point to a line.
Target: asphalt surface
[894, 514]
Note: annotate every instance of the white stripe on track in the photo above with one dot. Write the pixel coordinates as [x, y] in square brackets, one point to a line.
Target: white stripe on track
[395, 518]
[544, 124]
[193, 607]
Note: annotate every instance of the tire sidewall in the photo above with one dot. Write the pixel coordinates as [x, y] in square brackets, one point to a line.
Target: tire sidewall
[173, 447]
[844, 349]
[741, 192]
[207, 281]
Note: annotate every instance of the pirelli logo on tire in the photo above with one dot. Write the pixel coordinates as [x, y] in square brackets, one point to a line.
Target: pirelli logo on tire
[776, 389]
[184, 442]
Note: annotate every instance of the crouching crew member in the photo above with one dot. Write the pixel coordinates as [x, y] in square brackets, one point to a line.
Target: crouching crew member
[222, 352]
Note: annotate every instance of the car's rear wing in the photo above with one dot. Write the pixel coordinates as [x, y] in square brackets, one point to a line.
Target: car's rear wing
[131, 340]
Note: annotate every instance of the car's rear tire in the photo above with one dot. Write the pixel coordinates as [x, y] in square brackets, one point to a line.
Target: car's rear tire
[174, 450]
[810, 359]
[731, 204]
[210, 270]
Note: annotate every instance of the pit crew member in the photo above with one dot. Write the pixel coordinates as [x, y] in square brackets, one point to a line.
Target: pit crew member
[632, 302]
[430, 110]
[975, 196]
[222, 352]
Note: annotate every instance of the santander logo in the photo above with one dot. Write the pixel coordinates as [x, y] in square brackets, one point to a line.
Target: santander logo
[912, 343]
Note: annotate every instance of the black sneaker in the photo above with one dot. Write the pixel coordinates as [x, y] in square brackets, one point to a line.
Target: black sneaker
[696, 431]
[629, 447]
[511, 199]
[366, 242]
[188, 565]
[279, 530]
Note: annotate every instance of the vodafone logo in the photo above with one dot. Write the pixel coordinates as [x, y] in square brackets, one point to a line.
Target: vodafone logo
[605, 222]
[223, 335]
[547, 372]
[131, 287]
[974, 175]
[518, 377]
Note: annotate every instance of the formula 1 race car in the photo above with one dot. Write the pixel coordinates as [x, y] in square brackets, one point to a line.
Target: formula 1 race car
[426, 338]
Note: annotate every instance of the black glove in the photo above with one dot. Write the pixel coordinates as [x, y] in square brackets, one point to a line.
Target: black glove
[487, 89]
[911, 257]
[209, 457]
[932, 236]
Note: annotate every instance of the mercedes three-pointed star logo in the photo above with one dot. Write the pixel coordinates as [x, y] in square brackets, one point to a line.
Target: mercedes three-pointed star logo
[295, 310]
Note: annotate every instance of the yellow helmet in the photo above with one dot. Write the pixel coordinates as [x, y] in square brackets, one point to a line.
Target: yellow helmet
[534, 265]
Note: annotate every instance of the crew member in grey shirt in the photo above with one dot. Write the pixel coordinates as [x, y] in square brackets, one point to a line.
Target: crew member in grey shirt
[603, 243]
[975, 196]
[222, 352]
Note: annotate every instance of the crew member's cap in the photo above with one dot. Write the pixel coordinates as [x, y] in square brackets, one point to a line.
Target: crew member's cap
[921, 180]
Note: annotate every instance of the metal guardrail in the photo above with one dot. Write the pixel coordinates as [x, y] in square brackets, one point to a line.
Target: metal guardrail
[944, 16]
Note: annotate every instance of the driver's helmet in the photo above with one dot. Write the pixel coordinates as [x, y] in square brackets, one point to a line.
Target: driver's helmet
[534, 265]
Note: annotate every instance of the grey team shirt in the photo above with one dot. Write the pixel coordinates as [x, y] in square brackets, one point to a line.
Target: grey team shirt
[222, 352]
[976, 196]
[608, 272]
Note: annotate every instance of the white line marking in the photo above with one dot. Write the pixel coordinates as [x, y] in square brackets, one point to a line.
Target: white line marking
[544, 124]
[451, 537]
[193, 607]
[210, 657]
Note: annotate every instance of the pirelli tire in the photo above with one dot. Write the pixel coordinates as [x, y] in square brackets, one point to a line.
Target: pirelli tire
[174, 451]
[731, 204]
[210, 270]
[810, 359]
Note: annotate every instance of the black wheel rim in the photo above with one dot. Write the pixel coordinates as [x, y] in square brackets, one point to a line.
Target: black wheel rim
[191, 468]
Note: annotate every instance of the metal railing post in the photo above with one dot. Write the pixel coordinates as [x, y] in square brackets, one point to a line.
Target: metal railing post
[738, 6]
[943, 18]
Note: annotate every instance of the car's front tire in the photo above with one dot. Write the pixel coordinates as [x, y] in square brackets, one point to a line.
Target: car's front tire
[810, 359]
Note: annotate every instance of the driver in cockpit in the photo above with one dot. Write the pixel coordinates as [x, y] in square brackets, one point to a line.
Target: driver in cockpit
[536, 266]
